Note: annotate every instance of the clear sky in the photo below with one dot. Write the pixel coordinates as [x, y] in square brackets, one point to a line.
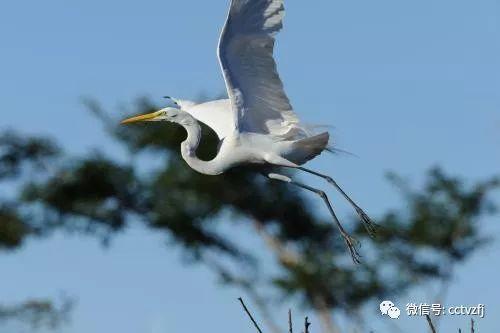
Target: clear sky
[406, 85]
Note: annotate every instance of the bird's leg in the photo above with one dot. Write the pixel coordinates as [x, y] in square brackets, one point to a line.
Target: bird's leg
[350, 242]
[369, 225]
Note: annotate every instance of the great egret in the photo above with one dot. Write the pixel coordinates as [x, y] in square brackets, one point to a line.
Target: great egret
[257, 124]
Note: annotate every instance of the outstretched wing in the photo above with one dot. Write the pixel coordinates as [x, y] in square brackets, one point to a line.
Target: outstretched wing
[258, 101]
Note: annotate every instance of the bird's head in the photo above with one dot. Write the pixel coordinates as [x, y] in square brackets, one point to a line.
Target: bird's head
[167, 114]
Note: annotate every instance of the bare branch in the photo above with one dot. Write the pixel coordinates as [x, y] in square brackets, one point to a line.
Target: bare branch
[249, 315]
[472, 330]
[290, 325]
[247, 284]
[431, 325]
[306, 325]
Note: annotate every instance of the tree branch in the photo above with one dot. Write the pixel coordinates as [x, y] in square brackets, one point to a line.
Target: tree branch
[431, 325]
[306, 325]
[249, 315]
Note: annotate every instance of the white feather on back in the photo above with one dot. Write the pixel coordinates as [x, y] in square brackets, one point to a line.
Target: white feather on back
[215, 114]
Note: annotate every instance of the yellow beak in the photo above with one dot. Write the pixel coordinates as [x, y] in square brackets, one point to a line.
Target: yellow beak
[143, 117]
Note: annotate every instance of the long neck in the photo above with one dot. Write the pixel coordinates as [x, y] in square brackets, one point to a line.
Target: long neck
[189, 146]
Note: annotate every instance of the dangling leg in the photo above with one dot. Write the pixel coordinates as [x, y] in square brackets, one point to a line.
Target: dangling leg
[367, 222]
[350, 242]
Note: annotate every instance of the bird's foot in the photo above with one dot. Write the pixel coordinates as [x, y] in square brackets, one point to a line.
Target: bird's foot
[351, 244]
[370, 226]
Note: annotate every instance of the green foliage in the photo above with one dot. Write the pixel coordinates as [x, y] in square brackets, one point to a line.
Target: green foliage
[98, 195]
[18, 152]
[38, 313]
[101, 193]
[18, 155]
[13, 230]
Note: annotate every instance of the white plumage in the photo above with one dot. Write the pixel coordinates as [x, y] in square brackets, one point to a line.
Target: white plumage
[245, 51]
[257, 124]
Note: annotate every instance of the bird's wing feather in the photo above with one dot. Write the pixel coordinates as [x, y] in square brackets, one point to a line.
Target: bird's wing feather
[216, 115]
[258, 100]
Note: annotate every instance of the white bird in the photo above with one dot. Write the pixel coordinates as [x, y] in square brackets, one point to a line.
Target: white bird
[256, 124]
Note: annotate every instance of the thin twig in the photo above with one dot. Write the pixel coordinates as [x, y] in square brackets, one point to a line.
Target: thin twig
[249, 315]
[306, 325]
[290, 325]
[247, 284]
[431, 325]
[472, 326]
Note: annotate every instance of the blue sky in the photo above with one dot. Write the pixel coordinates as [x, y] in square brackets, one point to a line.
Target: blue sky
[406, 85]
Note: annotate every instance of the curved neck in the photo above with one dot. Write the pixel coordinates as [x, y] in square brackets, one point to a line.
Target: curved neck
[189, 146]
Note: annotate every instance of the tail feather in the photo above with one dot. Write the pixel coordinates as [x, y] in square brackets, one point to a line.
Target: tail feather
[333, 150]
[308, 148]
